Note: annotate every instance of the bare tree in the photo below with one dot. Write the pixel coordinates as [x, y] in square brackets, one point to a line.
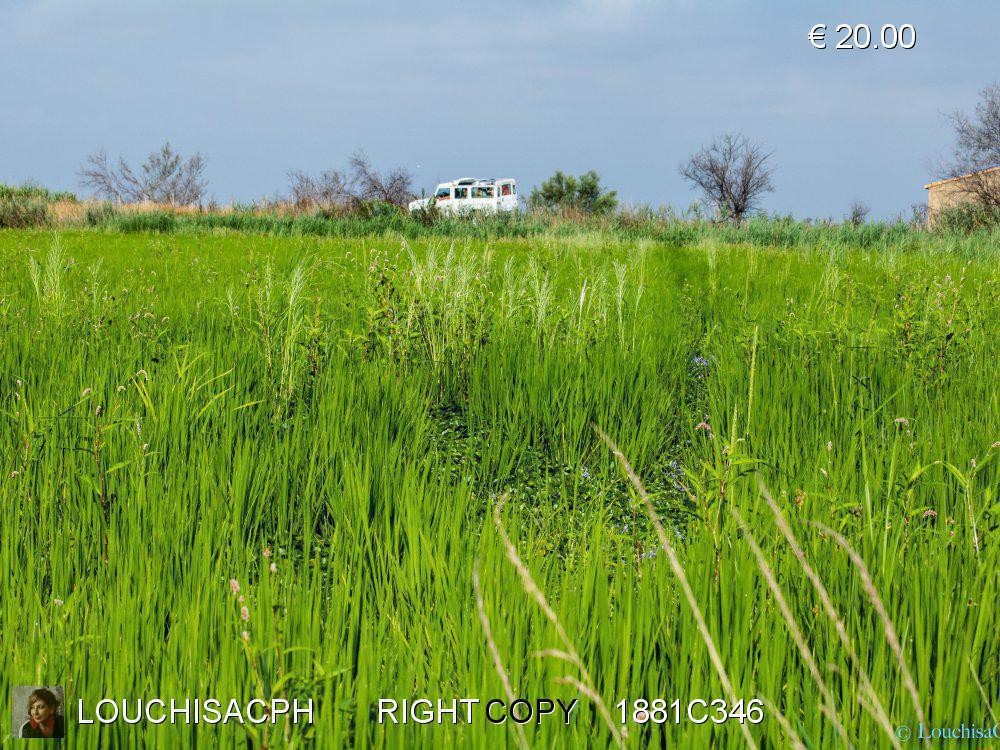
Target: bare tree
[918, 215]
[165, 177]
[98, 175]
[733, 174]
[331, 189]
[395, 186]
[859, 213]
[977, 149]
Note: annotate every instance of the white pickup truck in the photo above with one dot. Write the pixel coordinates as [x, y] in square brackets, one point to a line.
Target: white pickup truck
[469, 194]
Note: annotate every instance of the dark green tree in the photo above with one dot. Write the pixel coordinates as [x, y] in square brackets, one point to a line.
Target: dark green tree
[583, 193]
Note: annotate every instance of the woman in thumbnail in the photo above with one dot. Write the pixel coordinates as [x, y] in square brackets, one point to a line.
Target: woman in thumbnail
[44, 720]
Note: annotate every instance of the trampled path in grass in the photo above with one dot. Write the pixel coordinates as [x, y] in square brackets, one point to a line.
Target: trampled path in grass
[332, 423]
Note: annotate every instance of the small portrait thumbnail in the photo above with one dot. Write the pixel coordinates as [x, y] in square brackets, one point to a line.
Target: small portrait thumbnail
[38, 712]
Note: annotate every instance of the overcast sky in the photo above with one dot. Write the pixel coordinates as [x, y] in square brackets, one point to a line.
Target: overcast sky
[512, 88]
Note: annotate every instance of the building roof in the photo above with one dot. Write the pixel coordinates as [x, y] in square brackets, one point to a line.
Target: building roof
[929, 185]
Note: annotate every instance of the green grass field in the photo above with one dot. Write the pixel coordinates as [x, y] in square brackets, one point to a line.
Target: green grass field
[385, 421]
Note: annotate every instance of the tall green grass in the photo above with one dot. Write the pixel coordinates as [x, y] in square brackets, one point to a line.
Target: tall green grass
[31, 191]
[27, 206]
[814, 428]
[981, 240]
[960, 232]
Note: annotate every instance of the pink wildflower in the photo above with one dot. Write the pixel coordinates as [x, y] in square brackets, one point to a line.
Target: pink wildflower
[234, 586]
[244, 614]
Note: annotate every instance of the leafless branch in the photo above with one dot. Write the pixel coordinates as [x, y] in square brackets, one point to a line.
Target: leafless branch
[331, 189]
[165, 177]
[733, 173]
[394, 187]
[977, 149]
[97, 174]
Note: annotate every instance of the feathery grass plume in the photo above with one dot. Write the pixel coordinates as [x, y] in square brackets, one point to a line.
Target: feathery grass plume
[793, 737]
[571, 653]
[753, 373]
[966, 480]
[292, 366]
[621, 273]
[982, 691]
[48, 280]
[542, 296]
[618, 735]
[793, 628]
[890, 630]
[495, 652]
[678, 570]
[532, 588]
[873, 701]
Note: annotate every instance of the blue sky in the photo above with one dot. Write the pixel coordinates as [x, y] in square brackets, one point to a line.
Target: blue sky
[513, 88]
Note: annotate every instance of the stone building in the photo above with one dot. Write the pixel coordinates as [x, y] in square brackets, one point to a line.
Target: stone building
[947, 193]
